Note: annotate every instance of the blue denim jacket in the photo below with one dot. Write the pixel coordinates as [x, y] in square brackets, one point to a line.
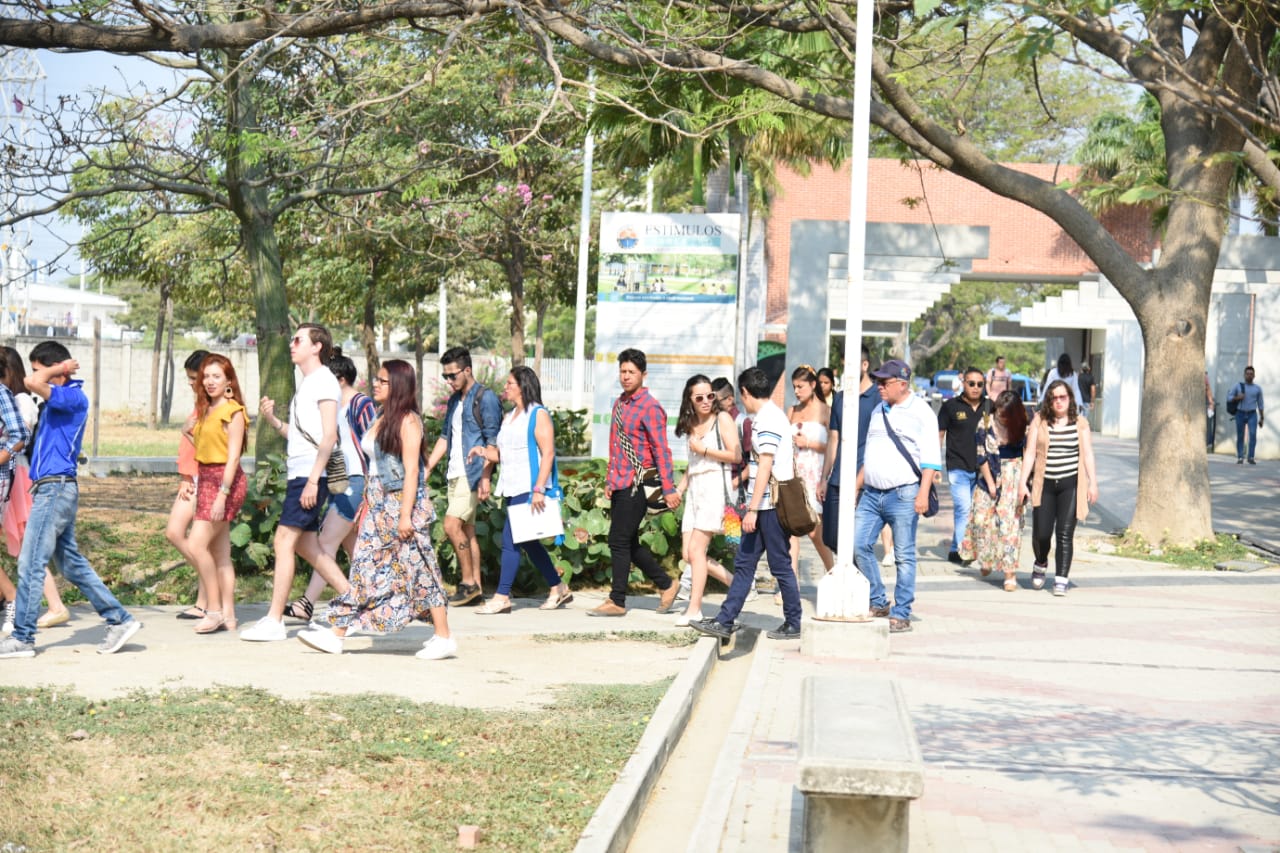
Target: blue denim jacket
[391, 469]
[474, 434]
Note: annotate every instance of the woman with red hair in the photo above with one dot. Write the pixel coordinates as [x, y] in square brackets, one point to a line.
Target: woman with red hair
[219, 433]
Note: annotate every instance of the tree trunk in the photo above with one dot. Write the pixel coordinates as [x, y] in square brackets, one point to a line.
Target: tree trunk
[513, 265]
[368, 325]
[250, 203]
[166, 380]
[540, 313]
[154, 406]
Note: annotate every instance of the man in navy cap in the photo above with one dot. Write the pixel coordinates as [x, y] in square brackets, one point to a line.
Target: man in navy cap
[902, 459]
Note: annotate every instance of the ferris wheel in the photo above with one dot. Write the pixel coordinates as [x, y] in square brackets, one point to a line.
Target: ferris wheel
[21, 90]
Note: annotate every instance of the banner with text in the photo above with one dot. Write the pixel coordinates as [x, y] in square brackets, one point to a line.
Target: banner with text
[668, 286]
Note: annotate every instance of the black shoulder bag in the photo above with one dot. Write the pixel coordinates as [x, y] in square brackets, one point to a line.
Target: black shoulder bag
[933, 487]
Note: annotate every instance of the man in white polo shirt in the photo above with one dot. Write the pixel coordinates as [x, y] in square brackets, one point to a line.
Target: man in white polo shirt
[890, 489]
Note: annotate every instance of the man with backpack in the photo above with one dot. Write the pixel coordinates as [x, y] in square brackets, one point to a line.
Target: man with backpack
[472, 419]
[1246, 398]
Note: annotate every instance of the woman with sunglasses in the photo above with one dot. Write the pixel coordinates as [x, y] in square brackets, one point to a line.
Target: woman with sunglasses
[1064, 481]
[704, 488]
[809, 417]
[395, 577]
[527, 476]
[993, 538]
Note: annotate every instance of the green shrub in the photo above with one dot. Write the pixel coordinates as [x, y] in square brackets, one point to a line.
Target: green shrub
[255, 527]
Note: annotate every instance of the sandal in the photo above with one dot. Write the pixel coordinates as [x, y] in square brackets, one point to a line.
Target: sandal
[300, 609]
[192, 612]
[555, 602]
[1011, 583]
[211, 623]
[492, 608]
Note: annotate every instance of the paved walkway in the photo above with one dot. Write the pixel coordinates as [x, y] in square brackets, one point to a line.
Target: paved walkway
[1137, 713]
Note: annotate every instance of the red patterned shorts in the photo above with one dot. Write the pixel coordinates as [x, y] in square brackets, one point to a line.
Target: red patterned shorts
[208, 481]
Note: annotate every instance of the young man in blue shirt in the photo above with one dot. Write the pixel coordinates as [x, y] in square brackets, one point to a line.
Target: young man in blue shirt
[51, 531]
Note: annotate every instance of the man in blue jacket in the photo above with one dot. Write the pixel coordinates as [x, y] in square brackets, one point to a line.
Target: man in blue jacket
[471, 419]
[51, 527]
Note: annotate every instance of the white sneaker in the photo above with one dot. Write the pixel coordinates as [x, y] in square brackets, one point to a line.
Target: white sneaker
[686, 582]
[888, 561]
[117, 636]
[265, 630]
[438, 648]
[753, 593]
[15, 648]
[322, 640]
[10, 611]
[683, 620]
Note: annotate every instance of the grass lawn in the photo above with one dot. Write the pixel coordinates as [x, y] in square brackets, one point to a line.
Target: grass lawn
[126, 434]
[238, 769]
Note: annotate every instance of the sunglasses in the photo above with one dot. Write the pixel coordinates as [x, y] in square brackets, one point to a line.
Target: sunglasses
[449, 377]
[890, 379]
[975, 384]
[1056, 397]
[704, 398]
[298, 340]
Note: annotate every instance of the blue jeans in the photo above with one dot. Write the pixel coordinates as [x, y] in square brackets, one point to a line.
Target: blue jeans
[769, 539]
[962, 484]
[511, 557]
[51, 534]
[896, 508]
[1249, 420]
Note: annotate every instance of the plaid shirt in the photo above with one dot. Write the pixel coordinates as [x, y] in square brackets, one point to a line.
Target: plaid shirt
[15, 431]
[645, 421]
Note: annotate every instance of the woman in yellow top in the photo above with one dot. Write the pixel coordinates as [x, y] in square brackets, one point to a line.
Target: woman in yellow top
[219, 435]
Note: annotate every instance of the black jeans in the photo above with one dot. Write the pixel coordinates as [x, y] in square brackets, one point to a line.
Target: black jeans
[1057, 510]
[625, 517]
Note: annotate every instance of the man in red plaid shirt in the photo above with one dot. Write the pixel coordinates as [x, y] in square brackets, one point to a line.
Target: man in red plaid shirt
[639, 415]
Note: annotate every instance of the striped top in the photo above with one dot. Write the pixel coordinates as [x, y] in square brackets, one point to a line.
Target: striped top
[1063, 457]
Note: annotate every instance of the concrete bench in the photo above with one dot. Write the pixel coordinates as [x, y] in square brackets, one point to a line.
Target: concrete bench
[859, 764]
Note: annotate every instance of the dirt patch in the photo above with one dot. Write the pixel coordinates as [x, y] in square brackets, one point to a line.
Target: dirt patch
[150, 494]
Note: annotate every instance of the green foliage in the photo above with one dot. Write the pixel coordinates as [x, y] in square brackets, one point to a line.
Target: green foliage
[573, 431]
[254, 531]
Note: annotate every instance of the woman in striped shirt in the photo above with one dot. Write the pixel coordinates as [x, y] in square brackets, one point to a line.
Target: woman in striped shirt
[1063, 481]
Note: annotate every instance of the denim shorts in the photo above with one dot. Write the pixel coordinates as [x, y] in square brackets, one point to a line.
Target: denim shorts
[348, 503]
[294, 515]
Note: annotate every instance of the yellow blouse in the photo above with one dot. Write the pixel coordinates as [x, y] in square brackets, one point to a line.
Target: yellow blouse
[211, 433]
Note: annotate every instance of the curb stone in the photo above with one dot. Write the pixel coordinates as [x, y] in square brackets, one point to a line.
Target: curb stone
[614, 822]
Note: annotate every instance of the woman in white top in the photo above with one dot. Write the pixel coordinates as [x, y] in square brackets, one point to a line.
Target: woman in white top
[519, 484]
[809, 417]
[1067, 374]
[704, 488]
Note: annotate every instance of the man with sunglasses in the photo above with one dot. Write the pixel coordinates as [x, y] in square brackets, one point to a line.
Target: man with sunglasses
[472, 419]
[310, 430]
[957, 424]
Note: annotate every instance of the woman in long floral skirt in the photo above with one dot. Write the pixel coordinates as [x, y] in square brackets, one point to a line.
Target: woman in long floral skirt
[994, 535]
[395, 577]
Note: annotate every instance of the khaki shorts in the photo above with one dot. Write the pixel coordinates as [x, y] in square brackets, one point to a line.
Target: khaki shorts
[462, 500]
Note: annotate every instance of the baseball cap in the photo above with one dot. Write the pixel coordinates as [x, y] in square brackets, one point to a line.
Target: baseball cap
[892, 369]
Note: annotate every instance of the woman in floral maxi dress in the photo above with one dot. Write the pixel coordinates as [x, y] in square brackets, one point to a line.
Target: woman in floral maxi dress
[993, 538]
[395, 578]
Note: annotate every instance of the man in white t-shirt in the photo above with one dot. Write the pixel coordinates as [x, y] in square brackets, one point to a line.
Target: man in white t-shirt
[772, 455]
[890, 491]
[312, 434]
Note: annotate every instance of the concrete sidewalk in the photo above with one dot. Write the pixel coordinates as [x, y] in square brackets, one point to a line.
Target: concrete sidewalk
[1138, 713]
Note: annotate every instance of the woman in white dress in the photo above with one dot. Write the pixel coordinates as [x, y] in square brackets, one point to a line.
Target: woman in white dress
[809, 417]
[704, 488]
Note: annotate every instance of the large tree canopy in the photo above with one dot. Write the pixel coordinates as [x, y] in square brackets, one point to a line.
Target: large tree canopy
[1211, 66]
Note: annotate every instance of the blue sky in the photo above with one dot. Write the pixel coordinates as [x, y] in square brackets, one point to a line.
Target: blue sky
[73, 74]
